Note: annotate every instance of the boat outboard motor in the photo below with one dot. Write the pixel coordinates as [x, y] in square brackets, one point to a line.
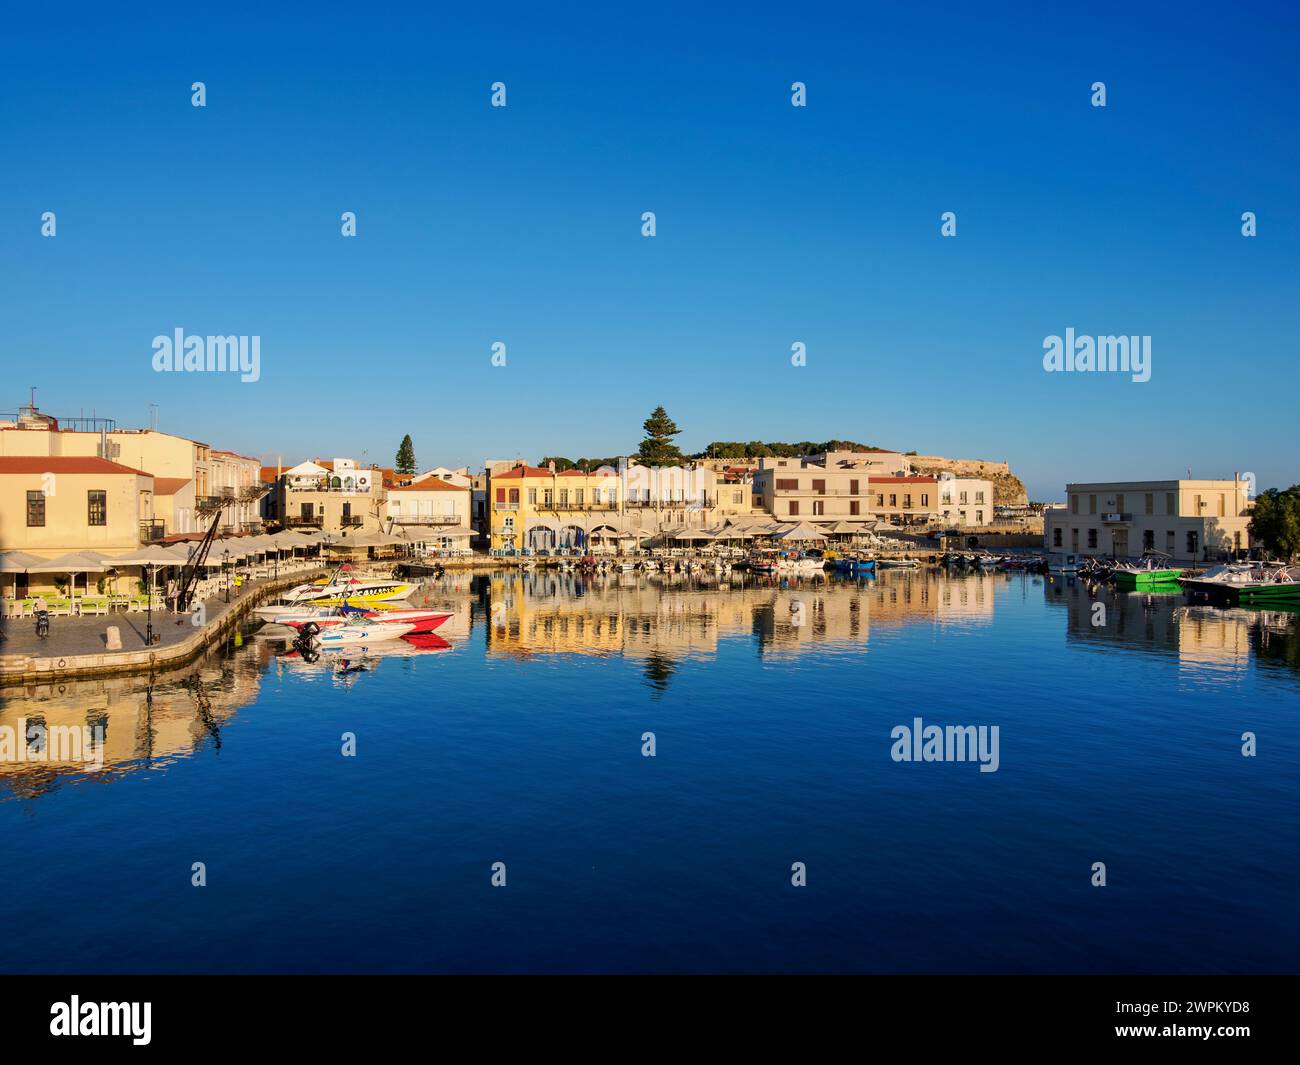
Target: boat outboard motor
[305, 642]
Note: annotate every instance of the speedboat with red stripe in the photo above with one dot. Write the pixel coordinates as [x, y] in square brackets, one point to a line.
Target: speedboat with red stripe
[421, 622]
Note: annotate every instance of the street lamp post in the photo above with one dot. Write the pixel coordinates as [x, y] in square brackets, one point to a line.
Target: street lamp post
[225, 559]
[148, 629]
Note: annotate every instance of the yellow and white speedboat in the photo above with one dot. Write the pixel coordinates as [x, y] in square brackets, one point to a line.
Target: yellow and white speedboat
[354, 590]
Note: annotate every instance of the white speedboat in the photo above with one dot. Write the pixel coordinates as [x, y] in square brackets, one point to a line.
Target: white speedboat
[356, 635]
[1063, 565]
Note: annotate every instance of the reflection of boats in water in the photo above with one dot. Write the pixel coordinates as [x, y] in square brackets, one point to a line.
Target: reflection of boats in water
[349, 660]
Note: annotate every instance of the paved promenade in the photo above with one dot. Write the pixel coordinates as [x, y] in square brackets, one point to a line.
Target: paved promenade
[80, 643]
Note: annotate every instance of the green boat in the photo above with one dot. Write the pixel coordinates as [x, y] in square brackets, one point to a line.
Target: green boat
[1152, 571]
[1247, 582]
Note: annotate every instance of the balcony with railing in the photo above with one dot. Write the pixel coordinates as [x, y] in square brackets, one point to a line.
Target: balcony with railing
[293, 521]
[152, 530]
[1117, 518]
[352, 521]
[427, 519]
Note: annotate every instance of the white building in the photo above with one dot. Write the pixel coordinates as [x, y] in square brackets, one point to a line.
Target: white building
[965, 501]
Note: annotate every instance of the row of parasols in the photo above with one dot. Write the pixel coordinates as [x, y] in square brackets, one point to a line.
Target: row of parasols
[154, 557]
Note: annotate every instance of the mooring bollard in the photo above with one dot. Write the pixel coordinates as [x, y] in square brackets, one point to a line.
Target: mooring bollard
[113, 638]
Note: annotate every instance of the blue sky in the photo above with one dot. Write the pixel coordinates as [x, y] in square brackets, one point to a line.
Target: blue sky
[775, 224]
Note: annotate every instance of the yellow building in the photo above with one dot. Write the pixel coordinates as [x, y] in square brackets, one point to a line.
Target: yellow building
[52, 505]
[539, 509]
[161, 454]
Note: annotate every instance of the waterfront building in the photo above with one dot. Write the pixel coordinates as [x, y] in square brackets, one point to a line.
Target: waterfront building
[798, 489]
[965, 501]
[53, 505]
[905, 500]
[338, 497]
[432, 510]
[536, 508]
[1190, 520]
[215, 476]
[235, 480]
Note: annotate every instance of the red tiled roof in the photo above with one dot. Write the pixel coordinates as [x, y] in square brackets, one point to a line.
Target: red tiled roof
[65, 464]
[901, 480]
[169, 486]
[522, 471]
[430, 484]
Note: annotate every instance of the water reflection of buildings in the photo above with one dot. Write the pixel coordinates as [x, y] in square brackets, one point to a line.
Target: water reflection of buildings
[136, 722]
[673, 617]
[1199, 635]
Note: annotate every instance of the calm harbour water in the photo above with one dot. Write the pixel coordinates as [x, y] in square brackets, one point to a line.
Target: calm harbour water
[520, 741]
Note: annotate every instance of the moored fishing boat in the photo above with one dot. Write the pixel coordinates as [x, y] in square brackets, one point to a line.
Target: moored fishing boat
[1151, 570]
[855, 566]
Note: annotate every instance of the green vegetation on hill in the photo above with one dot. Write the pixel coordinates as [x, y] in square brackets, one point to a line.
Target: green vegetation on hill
[753, 449]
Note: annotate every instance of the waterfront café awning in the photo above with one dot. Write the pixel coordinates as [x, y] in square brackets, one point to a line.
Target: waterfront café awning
[72, 563]
[849, 528]
[17, 562]
[801, 531]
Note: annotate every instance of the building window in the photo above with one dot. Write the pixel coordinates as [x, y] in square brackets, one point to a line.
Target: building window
[853, 507]
[787, 484]
[893, 500]
[1171, 507]
[880, 499]
[853, 487]
[1119, 502]
[907, 501]
[819, 486]
[532, 497]
[1092, 504]
[1148, 538]
[961, 497]
[1092, 538]
[564, 497]
[979, 497]
[819, 507]
[578, 497]
[979, 517]
[1222, 505]
[96, 507]
[501, 495]
[1056, 537]
[925, 499]
[1150, 502]
[794, 506]
[35, 510]
[514, 496]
